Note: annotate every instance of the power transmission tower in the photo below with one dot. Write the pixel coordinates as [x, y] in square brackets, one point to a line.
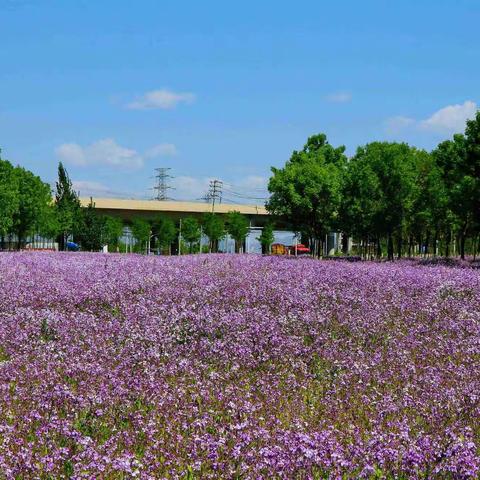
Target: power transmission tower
[161, 186]
[215, 192]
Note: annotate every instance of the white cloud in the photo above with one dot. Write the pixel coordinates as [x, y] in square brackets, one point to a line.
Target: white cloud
[339, 97]
[161, 99]
[162, 150]
[253, 182]
[103, 152]
[87, 188]
[451, 118]
[190, 188]
[396, 124]
[71, 153]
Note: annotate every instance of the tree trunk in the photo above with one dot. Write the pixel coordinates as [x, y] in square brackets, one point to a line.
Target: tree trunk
[448, 239]
[390, 247]
[399, 246]
[61, 243]
[379, 248]
[462, 245]
[345, 244]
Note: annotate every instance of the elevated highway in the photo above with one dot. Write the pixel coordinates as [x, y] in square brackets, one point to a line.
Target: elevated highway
[127, 210]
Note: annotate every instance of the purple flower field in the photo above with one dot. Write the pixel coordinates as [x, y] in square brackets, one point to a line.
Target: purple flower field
[237, 367]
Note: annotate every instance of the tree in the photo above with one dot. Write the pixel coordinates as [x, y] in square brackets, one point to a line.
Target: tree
[112, 231]
[34, 205]
[360, 204]
[141, 231]
[9, 199]
[266, 238]
[430, 208]
[67, 206]
[165, 231]
[458, 176]
[238, 228]
[470, 184]
[387, 197]
[214, 229]
[91, 229]
[191, 231]
[306, 192]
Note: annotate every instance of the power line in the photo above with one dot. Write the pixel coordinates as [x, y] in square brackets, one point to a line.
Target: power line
[161, 187]
[246, 188]
[241, 195]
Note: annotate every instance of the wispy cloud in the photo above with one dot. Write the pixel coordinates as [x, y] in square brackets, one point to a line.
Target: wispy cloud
[162, 99]
[103, 152]
[253, 183]
[190, 188]
[339, 97]
[449, 119]
[107, 152]
[88, 188]
[162, 150]
[397, 124]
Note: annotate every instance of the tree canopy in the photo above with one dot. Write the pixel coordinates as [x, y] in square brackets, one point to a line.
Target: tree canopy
[191, 231]
[214, 229]
[238, 228]
[266, 238]
[67, 206]
[306, 192]
[165, 231]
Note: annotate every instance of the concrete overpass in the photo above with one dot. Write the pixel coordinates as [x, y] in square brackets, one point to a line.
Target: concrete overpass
[127, 210]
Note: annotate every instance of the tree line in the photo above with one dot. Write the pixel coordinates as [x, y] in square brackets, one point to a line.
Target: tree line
[27, 208]
[391, 198]
[162, 233]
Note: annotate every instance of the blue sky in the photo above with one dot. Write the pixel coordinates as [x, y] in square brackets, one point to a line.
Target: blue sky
[225, 89]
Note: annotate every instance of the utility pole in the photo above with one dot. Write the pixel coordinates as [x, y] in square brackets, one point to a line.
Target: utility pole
[215, 192]
[161, 186]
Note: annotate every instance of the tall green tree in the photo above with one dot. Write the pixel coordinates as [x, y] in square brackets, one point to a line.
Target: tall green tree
[470, 184]
[165, 231]
[91, 231]
[67, 205]
[266, 238]
[214, 229]
[306, 192]
[361, 200]
[459, 181]
[141, 231]
[390, 169]
[9, 198]
[112, 231]
[191, 232]
[238, 228]
[34, 205]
